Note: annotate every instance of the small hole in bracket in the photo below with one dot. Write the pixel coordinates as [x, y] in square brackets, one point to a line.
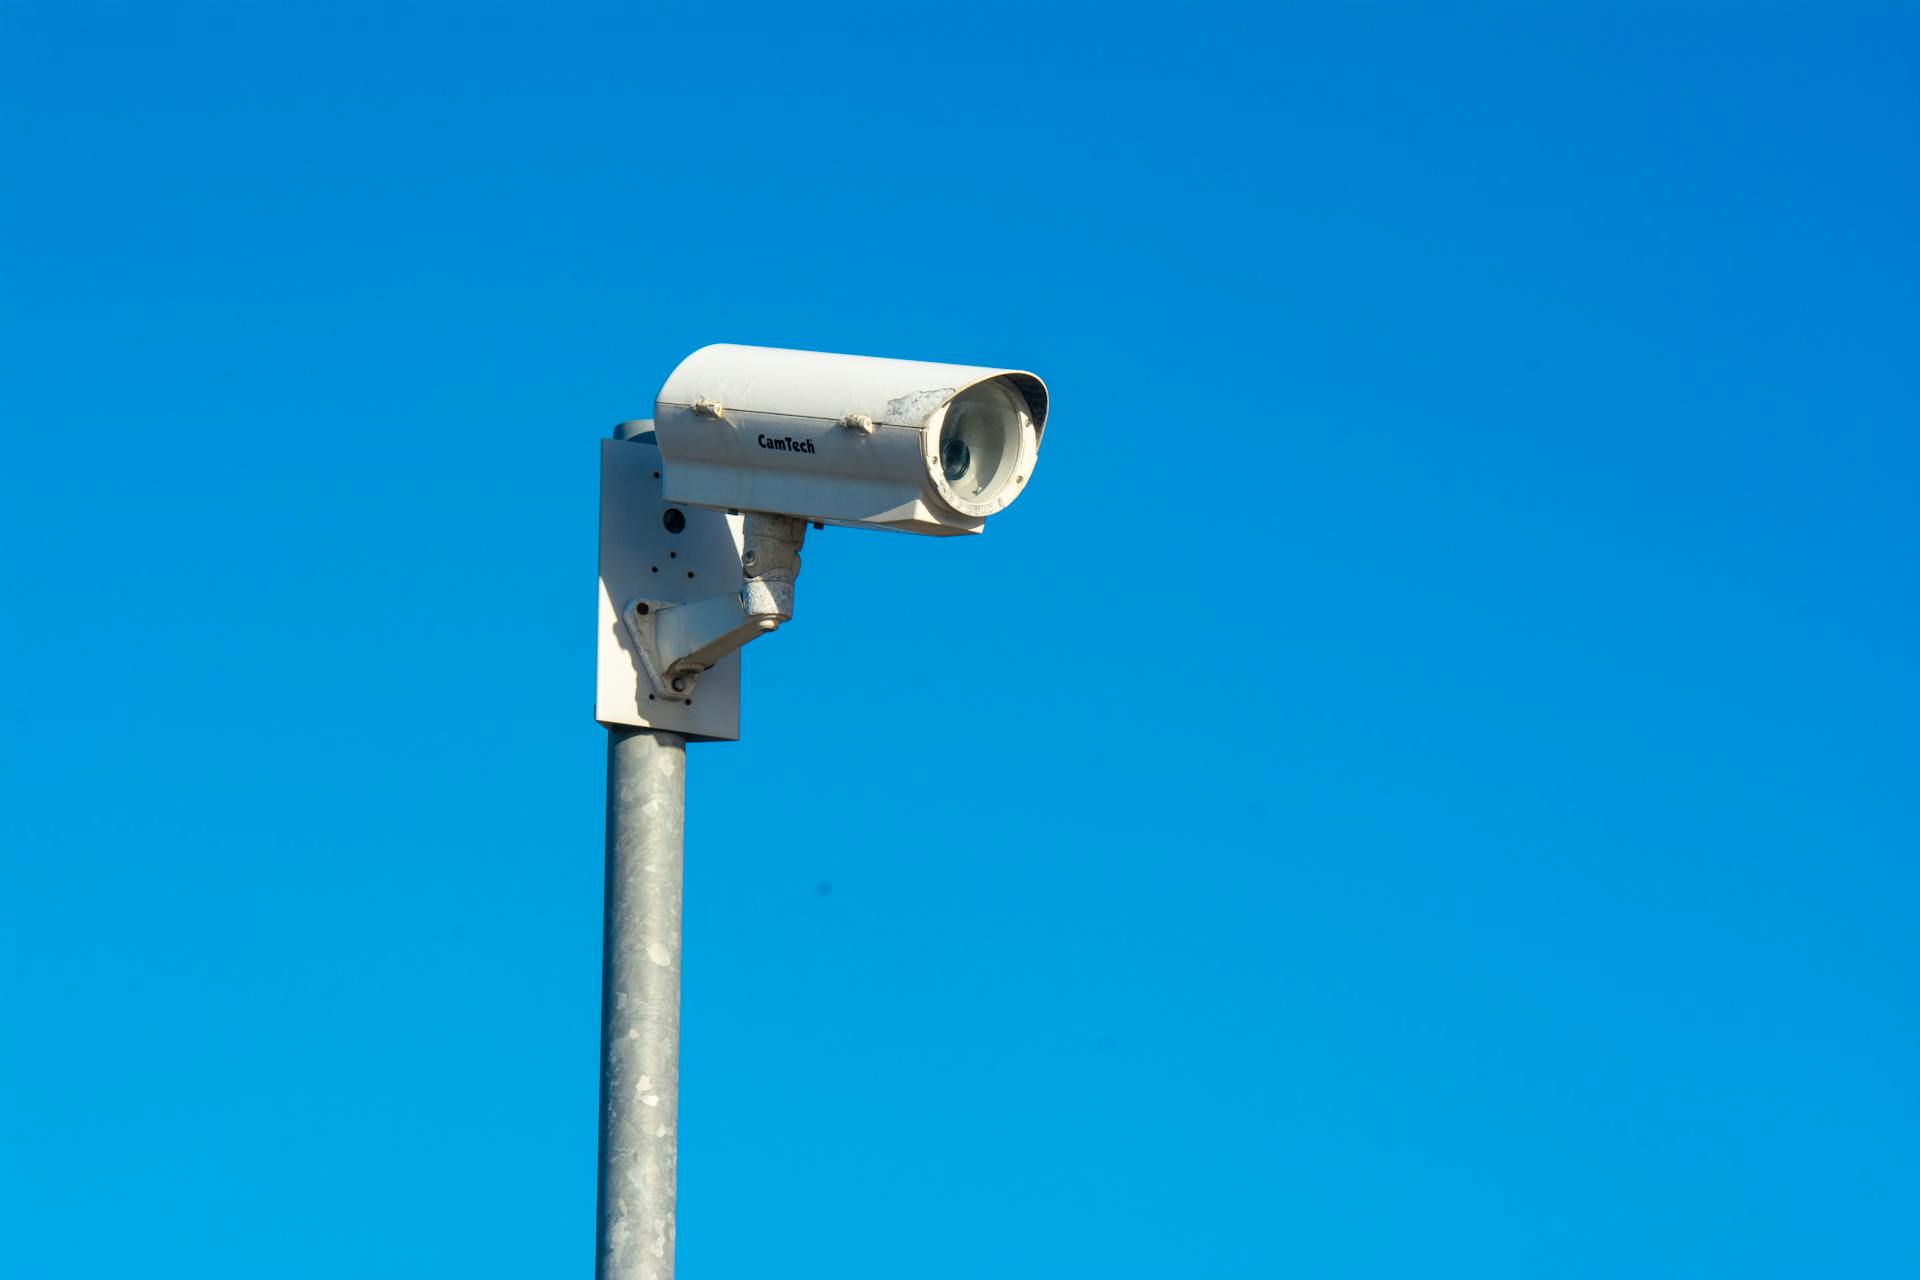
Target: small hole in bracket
[656, 475]
[689, 701]
[689, 573]
[675, 519]
[673, 555]
[656, 568]
[649, 697]
[643, 608]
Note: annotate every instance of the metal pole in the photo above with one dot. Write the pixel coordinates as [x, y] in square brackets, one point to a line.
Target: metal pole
[640, 1004]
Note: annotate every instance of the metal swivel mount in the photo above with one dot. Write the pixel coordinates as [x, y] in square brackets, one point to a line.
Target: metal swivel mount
[679, 641]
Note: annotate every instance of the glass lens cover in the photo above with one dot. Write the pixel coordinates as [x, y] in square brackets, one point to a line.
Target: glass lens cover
[980, 440]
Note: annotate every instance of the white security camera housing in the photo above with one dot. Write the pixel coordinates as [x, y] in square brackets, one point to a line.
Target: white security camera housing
[848, 440]
[704, 509]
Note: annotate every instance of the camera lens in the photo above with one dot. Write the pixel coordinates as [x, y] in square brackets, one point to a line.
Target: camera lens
[955, 458]
[980, 440]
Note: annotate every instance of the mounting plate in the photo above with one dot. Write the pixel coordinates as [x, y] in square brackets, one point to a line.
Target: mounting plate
[642, 558]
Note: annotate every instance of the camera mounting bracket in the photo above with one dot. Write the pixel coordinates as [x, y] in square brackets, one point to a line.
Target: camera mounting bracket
[678, 641]
[668, 555]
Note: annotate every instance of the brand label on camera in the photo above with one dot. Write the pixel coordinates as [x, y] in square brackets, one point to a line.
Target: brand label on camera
[786, 444]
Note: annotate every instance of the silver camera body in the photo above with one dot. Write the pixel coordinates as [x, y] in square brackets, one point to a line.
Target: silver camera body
[849, 440]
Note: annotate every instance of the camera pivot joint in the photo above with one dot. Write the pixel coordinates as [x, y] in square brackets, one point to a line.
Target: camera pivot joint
[677, 642]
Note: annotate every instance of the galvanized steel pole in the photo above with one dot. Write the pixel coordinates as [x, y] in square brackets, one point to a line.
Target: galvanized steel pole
[640, 1003]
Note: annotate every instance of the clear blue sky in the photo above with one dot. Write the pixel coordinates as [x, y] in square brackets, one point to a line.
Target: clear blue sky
[1427, 783]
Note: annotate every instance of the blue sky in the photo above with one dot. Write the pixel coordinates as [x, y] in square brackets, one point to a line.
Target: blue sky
[1438, 739]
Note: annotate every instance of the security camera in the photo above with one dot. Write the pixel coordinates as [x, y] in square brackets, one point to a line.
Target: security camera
[849, 440]
[703, 510]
